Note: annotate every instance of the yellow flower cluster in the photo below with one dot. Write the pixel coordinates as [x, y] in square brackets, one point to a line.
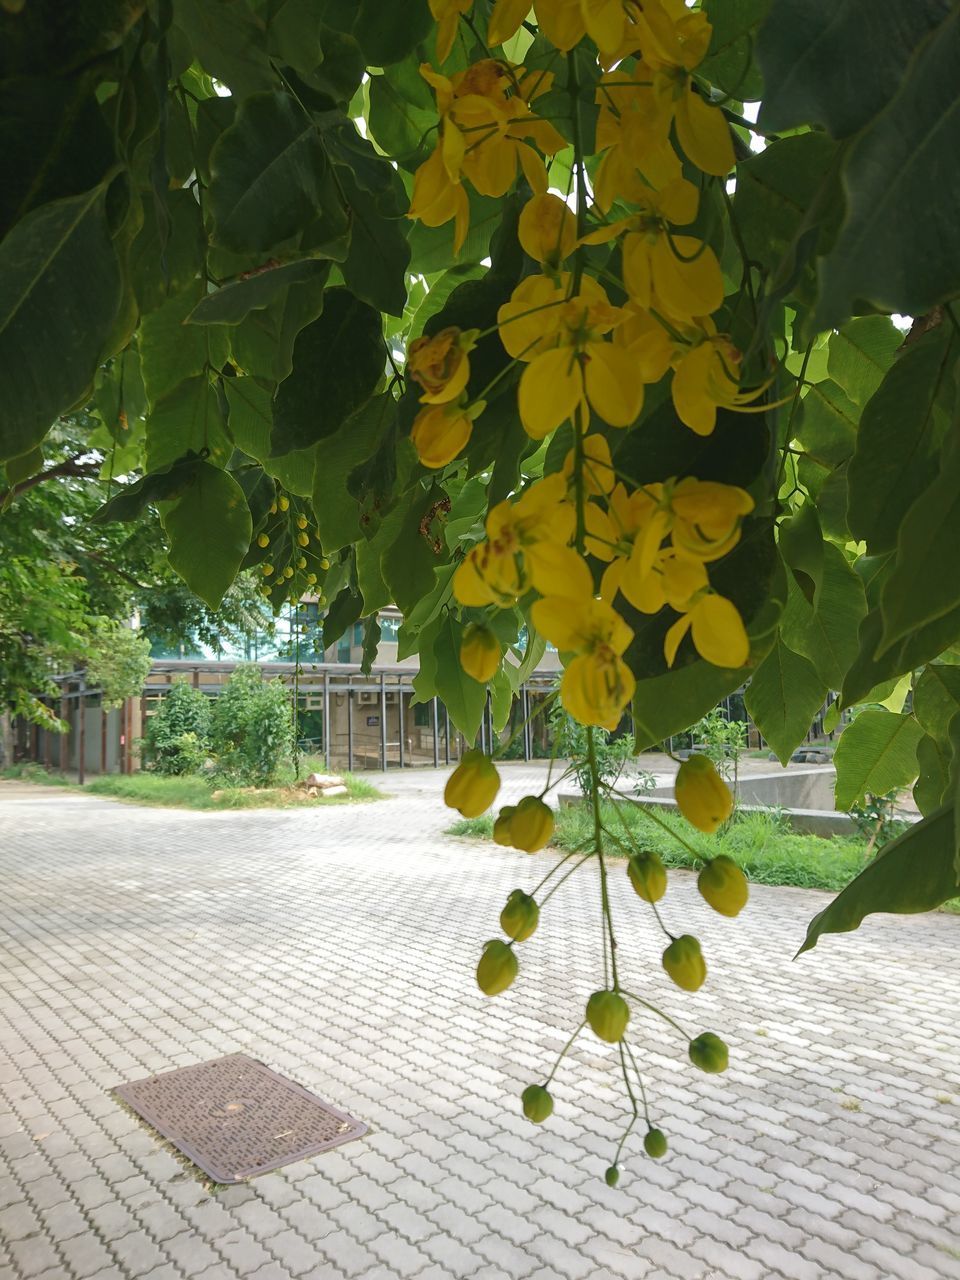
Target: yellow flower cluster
[486, 129]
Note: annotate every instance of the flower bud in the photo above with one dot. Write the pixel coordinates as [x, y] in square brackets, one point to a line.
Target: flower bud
[440, 432]
[531, 825]
[497, 968]
[537, 1103]
[440, 365]
[262, 540]
[724, 886]
[480, 652]
[709, 1053]
[284, 502]
[520, 917]
[703, 797]
[655, 1144]
[608, 1014]
[501, 828]
[472, 787]
[647, 875]
[612, 1176]
[683, 961]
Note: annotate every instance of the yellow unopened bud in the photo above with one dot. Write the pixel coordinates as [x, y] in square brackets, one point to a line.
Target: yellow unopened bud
[497, 968]
[501, 828]
[439, 433]
[284, 502]
[302, 562]
[724, 886]
[520, 917]
[311, 578]
[472, 787]
[608, 1014]
[303, 539]
[324, 563]
[262, 540]
[683, 960]
[301, 522]
[480, 652]
[288, 572]
[531, 825]
[273, 509]
[703, 797]
[647, 875]
[267, 570]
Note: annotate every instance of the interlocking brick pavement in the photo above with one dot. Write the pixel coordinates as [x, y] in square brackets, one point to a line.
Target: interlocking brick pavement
[338, 946]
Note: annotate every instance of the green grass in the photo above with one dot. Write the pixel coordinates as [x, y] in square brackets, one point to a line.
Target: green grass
[761, 844]
[197, 792]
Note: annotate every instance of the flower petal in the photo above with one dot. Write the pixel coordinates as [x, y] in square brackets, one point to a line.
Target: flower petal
[550, 390]
[718, 632]
[613, 383]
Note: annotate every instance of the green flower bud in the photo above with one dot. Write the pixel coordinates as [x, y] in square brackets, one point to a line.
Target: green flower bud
[608, 1014]
[497, 968]
[655, 1144]
[473, 785]
[520, 917]
[647, 875]
[683, 961]
[612, 1176]
[709, 1053]
[724, 886]
[702, 795]
[537, 1103]
[531, 825]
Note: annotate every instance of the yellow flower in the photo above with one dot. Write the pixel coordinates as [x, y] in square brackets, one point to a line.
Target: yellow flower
[441, 364]
[480, 652]
[717, 630]
[706, 376]
[598, 472]
[561, 21]
[702, 129]
[597, 684]
[675, 274]
[547, 229]
[437, 198]
[440, 432]
[472, 787]
[446, 14]
[706, 516]
[703, 797]
[569, 365]
[525, 546]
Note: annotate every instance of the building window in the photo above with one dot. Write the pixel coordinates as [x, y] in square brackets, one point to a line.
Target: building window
[358, 633]
[343, 649]
[389, 628]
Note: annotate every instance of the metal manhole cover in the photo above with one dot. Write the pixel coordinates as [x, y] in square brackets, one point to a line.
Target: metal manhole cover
[234, 1117]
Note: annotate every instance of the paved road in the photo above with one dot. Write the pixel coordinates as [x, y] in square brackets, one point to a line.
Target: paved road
[337, 945]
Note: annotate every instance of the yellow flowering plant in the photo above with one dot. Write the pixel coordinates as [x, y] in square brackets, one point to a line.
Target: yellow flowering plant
[555, 322]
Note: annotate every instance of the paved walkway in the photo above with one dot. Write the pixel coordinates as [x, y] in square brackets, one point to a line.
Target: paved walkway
[338, 946]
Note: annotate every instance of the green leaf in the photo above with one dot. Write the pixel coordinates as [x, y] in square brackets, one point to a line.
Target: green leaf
[49, 350]
[337, 511]
[188, 420]
[167, 254]
[172, 350]
[337, 362]
[801, 545]
[376, 264]
[861, 353]
[934, 764]
[425, 681]
[267, 174]
[885, 255]
[263, 341]
[230, 304]
[913, 873]
[387, 33]
[804, 52]
[922, 645]
[249, 415]
[402, 112]
[925, 582]
[778, 192]
[827, 632]
[463, 697]
[784, 694]
[371, 643]
[343, 613]
[410, 560]
[667, 704]
[898, 443]
[877, 753]
[375, 591]
[936, 698]
[228, 42]
[162, 485]
[729, 62]
[828, 423]
[209, 529]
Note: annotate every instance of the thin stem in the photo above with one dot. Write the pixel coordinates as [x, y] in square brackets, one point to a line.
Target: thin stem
[565, 876]
[564, 1051]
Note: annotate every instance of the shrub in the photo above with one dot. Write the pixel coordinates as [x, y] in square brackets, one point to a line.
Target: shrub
[252, 728]
[178, 734]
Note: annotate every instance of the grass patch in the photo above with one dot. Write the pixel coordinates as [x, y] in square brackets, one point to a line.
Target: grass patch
[198, 792]
[762, 844]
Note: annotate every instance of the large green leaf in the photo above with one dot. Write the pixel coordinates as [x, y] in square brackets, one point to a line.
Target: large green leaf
[898, 443]
[403, 114]
[861, 353]
[828, 423]
[925, 582]
[172, 350]
[729, 62]
[376, 264]
[409, 562]
[337, 362]
[801, 545]
[209, 529]
[826, 632]
[667, 704]
[936, 698]
[920, 646]
[228, 41]
[263, 341]
[877, 753]
[249, 415]
[387, 33]
[338, 512]
[230, 304]
[162, 485]
[267, 174]
[784, 694]
[934, 761]
[804, 50]
[187, 420]
[914, 873]
[59, 294]
[886, 255]
[167, 254]
[463, 696]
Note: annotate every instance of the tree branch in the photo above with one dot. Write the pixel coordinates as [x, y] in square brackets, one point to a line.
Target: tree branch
[69, 467]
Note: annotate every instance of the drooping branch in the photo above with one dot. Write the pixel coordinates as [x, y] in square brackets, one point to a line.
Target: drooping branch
[70, 467]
